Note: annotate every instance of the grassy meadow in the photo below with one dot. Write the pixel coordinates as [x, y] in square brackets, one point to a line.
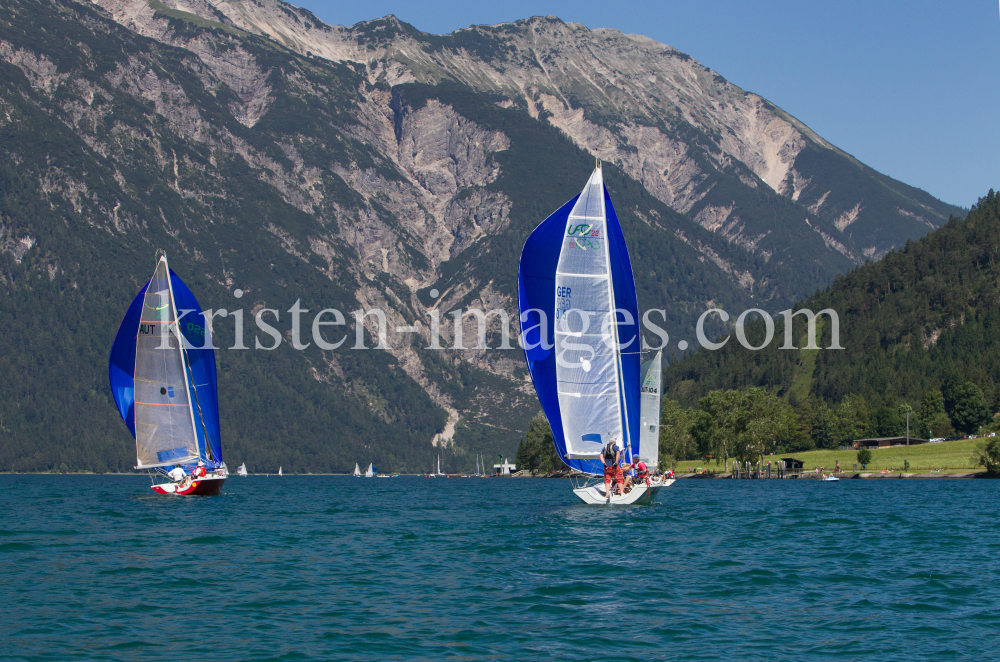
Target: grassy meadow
[946, 456]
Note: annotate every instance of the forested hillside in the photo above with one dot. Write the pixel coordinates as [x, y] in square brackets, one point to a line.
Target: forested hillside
[920, 331]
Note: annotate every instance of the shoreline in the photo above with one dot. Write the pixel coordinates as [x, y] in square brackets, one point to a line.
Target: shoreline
[850, 475]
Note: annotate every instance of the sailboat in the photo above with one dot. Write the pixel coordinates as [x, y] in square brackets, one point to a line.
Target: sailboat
[279, 471]
[242, 470]
[371, 471]
[163, 382]
[581, 340]
[357, 470]
[439, 468]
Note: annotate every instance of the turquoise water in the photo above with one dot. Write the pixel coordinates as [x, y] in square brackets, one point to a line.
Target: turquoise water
[323, 568]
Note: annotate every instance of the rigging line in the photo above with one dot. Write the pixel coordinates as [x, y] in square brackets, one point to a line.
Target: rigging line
[197, 400]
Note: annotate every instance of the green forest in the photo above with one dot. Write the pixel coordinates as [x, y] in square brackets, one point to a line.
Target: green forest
[921, 338]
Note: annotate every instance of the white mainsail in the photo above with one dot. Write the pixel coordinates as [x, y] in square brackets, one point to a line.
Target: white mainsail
[649, 411]
[586, 342]
[371, 471]
[164, 419]
[357, 469]
[279, 471]
[242, 469]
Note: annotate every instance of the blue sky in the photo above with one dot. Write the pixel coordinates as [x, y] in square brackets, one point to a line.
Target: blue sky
[911, 89]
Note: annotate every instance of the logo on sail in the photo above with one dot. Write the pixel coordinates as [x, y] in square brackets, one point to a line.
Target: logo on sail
[580, 230]
[584, 243]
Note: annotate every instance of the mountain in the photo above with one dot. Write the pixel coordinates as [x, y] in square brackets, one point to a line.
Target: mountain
[925, 319]
[373, 167]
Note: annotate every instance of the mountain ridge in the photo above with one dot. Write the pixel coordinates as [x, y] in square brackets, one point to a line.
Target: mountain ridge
[354, 183]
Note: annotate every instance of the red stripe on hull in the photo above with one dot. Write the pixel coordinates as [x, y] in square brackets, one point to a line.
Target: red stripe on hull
[209, 486]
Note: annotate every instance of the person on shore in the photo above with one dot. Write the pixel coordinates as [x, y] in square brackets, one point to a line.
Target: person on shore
[836, 469]
[612, 469]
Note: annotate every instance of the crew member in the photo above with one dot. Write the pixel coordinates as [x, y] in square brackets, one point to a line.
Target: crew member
[612, 470]
[176, 474]
[641, 472]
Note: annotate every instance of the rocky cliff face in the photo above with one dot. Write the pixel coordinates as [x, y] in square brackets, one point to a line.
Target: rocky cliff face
[377, 166]
[672, 124]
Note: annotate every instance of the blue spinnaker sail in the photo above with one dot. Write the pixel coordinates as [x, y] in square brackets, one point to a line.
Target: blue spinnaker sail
[537, 307]
[121, 364]
[536, 299]
[200, 359]
[201, 363]
[629, 338]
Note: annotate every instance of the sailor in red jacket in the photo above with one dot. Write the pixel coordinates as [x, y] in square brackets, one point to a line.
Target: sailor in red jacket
[641, 473]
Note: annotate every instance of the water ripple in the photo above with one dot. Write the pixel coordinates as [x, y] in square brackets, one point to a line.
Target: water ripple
[321, 568]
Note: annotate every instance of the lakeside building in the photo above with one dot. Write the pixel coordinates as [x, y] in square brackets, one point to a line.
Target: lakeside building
[504, 469]
[886, 442]
[793, 465]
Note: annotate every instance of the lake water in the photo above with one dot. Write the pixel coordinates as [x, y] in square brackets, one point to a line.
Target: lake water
[322, 568]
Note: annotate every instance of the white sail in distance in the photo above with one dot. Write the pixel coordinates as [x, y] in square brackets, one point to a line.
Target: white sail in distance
[650, 376]
[586, 344]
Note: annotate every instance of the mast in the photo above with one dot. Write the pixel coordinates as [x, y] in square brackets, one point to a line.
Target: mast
[180, 345]
[626, 439]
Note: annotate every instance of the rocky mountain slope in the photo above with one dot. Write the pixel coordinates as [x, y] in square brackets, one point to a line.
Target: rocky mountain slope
[376, 166]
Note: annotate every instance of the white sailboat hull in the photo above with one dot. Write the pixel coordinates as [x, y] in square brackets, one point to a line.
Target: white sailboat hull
[640, 495]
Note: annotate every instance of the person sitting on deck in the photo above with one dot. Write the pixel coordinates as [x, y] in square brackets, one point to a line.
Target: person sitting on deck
[200, 472]
[612, 470]
[641, 473]
[176, 474]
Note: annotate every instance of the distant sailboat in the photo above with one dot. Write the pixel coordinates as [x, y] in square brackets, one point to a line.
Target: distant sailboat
[371, 471]
[439, 467]
[279, 471]
[164, 384]
[574, 278]
[242, 470]
[357, 470]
